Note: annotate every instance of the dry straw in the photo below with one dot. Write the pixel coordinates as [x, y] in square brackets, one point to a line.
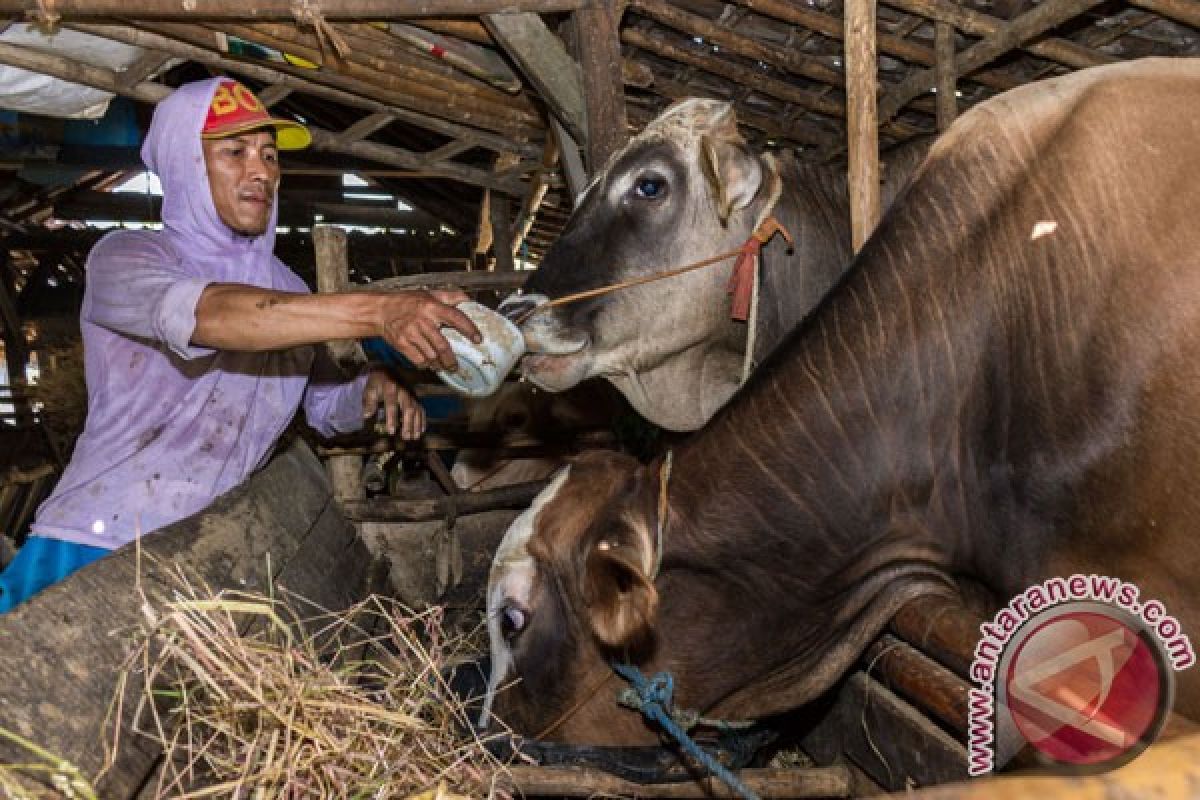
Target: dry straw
[250, 700]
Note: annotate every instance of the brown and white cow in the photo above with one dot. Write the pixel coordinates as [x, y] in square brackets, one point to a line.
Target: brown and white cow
[1005, 386]
[686, 188]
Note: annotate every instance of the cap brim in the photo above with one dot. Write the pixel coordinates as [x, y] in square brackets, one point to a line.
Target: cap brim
[288, 135]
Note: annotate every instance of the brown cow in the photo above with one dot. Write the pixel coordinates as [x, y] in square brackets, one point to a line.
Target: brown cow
[1006, 386]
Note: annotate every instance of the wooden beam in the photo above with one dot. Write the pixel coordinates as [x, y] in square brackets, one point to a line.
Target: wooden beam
[795, 130]
[973, 22]
[947, 83]
[273, 93]
[862, 130]
[1047, 15]
[194, 10]
[598, 38]
[568, 155]
[374, 66]
[538, 186]
[1185, 11]
[829, 782]
[800, 14]
[502, 248]
[322, 85]
[544, 61]
[145, 66]
[447, 151]
[366, 126]
[792, 60]
[149, 92]
[747, 76]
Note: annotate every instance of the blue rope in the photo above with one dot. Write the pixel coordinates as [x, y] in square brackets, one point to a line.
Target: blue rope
[653, 699]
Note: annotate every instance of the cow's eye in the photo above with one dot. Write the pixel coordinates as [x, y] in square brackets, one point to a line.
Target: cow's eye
[650, 187]
[512, 621]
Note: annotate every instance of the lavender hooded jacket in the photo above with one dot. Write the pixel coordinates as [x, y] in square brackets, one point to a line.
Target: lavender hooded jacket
[171, 425]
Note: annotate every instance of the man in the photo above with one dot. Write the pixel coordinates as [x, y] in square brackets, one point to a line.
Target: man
[197, 342]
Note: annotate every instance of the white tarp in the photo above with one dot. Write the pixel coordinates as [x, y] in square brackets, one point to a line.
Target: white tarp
[34, 93]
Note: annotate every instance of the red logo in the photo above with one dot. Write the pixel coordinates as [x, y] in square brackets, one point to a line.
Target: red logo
[1085, 687]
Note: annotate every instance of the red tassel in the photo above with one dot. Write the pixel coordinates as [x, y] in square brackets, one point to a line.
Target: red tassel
[741, 282]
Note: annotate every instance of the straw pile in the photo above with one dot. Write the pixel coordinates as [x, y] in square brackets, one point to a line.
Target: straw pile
[250, 700]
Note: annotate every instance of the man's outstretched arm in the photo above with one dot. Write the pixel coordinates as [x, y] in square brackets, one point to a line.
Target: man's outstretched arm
[239, 317]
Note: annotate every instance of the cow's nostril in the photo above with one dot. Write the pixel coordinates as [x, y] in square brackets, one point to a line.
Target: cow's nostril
[518, 307]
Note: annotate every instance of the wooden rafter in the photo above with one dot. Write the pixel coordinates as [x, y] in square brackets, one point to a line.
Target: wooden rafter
[1049, 14]
[316, 84]
[149, 92]
[285, 9]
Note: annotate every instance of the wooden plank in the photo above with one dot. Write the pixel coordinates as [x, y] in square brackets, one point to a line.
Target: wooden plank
[193, 10]
[544, 61]
[538, 187]
[947, 78]
[197, 44]
[976, 23]
[467, 281]
[1047, 15]
[63, 650]
[529, 781]
[862, 130]
[892, 742]
[146, 65]
[597, 35]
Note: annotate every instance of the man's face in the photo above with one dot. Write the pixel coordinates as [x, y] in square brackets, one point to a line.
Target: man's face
[243, 175]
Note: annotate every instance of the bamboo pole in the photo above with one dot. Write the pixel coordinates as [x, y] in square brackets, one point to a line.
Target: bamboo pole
[972, 22]
[200, 46]
[1049, 14]
[194, 10]
[862, 130]
[947, 85]
[152, 93]
[376, 71]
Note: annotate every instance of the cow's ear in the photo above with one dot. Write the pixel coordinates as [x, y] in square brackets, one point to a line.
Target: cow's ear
[734, 173]
[621, 599]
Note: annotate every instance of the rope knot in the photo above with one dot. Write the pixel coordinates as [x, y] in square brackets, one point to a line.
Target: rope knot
[308, 12]
[741, 281]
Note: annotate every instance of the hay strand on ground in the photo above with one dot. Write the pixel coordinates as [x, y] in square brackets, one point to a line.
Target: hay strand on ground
[249, 699]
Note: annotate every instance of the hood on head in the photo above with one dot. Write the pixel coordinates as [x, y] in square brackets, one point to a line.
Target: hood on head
[173, 152]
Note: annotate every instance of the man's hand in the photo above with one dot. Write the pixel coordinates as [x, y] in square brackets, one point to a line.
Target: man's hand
[399, 405]
[411, 323]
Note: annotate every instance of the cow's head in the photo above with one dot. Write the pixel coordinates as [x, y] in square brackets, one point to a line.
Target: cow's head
[569, 589]
[685, 189]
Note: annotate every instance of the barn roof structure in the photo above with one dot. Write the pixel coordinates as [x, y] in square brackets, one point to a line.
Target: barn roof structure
[466, 126]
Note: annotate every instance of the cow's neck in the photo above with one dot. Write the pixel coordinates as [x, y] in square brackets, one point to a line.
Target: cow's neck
[846, 458]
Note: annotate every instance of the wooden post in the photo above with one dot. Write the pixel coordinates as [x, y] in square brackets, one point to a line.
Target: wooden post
[947, 89]
[502, 233]
[861, 121]
[599, 43]
[333, 275]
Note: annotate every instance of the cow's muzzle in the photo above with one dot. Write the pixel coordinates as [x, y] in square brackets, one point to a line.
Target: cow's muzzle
[543, 330]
